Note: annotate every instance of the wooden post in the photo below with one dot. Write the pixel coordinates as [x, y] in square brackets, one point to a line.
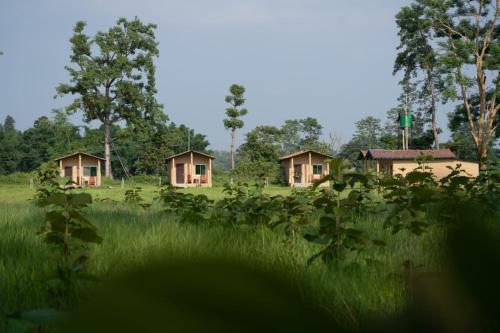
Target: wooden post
[98, 176]
[173, 173]
[31, 183]
[292, 172]
[61, 170]
[123, 183]
[209, 173]
[159, 182]
[378, 166]
[191, 168]
[310, 172]
[80, 171]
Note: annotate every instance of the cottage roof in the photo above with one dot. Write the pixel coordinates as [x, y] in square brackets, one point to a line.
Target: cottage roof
[190, 151]
[304, 152]
[387, 154]
[80, 153]
[362, 154]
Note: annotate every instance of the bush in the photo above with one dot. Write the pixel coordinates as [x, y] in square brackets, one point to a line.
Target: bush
[47, 173]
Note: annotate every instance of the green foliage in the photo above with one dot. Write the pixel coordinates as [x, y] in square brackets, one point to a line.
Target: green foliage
[233, 113]
[69, 234]
[47, 174]
[133, 196]
[335, 232]
[187, 207]
[113, 77]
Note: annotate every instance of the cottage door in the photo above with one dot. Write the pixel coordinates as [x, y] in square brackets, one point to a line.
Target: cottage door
[297, 173]
[68, 172]
[179, 171]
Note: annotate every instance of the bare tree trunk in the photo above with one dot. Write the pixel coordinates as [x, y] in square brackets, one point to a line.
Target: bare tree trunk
[433, 106]
[233, 144]
[107, 151]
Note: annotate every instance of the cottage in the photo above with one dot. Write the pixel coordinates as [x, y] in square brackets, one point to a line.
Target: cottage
[82, 168]
[303, 168]
[190, 169]
[391, 162]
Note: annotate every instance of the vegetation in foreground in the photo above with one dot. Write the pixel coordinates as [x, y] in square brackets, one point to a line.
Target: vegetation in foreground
[353, 250]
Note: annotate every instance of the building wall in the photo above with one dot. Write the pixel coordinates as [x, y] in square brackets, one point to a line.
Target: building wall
[73, 162]
[307, 177]
[439, 167]
[189, 169]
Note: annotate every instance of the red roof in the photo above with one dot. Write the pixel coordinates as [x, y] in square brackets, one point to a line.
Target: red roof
[386, 154]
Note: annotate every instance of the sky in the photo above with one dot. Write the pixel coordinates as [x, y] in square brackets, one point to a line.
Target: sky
[327, 59]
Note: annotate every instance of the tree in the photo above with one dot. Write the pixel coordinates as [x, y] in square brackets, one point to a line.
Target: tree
[416, 57]
[10, 140]
[114, 76]
[467, 34]
[368, 134]
[233, 113]
[303, 134]
[259, 154]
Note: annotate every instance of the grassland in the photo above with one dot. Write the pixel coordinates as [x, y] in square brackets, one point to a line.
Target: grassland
[364, 284]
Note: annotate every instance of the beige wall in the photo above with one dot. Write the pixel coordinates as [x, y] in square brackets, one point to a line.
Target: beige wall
[77, 173]
[189, 169]
[307, 177]
[439, 167]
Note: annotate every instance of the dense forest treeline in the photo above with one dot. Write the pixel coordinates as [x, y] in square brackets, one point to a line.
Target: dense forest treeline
[138, 150]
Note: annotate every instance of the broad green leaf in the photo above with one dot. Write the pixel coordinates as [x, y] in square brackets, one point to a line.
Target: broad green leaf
[87, 235]
[80, 199]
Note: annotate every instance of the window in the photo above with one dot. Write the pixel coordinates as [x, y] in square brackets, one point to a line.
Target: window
[89, 171]
[201, 169]
[317, 169]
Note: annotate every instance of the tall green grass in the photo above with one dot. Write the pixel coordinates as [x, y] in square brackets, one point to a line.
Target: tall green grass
[368, 282]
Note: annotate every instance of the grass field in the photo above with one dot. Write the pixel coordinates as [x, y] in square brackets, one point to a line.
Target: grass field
[351, 290]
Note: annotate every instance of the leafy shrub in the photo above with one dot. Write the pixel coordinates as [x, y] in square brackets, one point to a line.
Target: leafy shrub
[133, 196]
[47, 174]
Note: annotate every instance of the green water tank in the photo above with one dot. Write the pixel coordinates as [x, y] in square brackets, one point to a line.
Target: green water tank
[405, 120]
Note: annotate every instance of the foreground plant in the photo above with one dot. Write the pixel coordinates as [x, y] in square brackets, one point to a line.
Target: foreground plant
[335, 232]
[69, 235]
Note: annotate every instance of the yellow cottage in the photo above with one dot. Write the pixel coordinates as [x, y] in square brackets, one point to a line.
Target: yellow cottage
[190, 169]
[303, 168]
[391, 162]
[82, 168]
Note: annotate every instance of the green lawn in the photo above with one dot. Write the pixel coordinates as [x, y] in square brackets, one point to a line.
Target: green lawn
[349, 291]
[19, 193]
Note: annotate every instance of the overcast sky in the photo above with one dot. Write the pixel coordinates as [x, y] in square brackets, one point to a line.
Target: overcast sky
[328, 59]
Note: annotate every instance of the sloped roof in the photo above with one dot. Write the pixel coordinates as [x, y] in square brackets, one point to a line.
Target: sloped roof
[80, 153]
[386, 154]
[190, 151]
[303, 152]
[362, 154]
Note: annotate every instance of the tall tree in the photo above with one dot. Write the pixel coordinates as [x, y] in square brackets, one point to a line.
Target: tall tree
[10, 140]
[233, 113]
[368, 135]
[259, 154]
[114, 75]
[300, 134]
[416, 57]
[467, 33]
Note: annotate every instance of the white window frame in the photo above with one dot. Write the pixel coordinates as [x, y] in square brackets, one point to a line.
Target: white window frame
[200, 174]
[317, 165]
